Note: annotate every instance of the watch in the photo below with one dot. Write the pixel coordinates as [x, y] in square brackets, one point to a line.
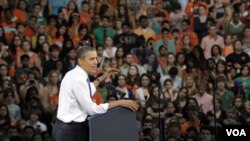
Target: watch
[98, 79]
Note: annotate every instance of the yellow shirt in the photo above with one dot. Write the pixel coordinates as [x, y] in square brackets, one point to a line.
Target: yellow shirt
[147, 33]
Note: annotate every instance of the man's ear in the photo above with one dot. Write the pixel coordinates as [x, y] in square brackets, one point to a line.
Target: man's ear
[80, 61]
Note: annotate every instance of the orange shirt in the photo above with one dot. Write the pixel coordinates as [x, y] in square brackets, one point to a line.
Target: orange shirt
[21, 15]
[73, 30]
[19, 50]
[12, 71]
[227, 50]
[29, 32]
[97, 98]
[53, 99]
[58, 41]
[76, 38]
[161, 62]
[85, 18]
[191, 6]
[113, 3]
[34, 59]
[159, 37]
[187, 124]
[91, 12]
[51, 30]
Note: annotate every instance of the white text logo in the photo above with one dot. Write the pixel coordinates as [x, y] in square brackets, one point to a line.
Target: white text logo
[236, 132]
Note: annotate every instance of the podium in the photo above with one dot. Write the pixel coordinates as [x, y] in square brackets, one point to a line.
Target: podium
[118, 124]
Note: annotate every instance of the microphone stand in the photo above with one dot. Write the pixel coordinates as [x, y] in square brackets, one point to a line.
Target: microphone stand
[160, 120]
[213, 80]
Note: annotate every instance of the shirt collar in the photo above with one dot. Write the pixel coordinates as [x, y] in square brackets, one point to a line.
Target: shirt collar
[215, 38]
[236, 25]
[81, 71]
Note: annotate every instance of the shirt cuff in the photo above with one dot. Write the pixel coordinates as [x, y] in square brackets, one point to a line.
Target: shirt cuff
[105, 106]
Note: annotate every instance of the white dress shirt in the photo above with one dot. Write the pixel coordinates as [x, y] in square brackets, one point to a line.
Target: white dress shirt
[75, 102]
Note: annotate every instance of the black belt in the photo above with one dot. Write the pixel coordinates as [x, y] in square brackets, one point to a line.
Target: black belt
[73, 124]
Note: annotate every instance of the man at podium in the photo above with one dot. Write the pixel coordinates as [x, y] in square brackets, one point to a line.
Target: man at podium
[75, 98]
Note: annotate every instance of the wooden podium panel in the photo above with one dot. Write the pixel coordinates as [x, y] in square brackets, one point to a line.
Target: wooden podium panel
[118, 124]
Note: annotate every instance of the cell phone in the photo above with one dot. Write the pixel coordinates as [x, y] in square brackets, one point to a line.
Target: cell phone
[149, 2]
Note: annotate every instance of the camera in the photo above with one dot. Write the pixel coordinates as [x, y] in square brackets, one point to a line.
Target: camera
[32, 82]
[6, 47]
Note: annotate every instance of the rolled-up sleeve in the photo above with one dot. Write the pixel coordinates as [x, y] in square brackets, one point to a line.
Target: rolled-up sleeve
[93, 89]
[82, 95]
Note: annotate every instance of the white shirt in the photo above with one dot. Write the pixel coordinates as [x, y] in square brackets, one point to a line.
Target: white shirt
[39, 125]
[177, 81]
[107, 55]
[75, 103]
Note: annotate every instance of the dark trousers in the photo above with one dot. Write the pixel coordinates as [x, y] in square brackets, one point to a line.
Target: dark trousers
[70, 131]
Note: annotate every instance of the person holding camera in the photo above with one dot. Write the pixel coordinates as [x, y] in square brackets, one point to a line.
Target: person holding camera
[30, 82]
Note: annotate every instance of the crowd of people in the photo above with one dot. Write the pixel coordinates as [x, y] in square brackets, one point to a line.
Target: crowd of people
[185, 62]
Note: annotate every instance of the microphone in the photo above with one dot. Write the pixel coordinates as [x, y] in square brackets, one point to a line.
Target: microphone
[111, 87]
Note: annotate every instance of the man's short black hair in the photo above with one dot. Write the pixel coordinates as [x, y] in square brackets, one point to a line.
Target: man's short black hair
[173, 71]
[128, 24]
[142, 18]
[164, 29]
[54, 48]
[25, 56]
[81, 52]
[186, 21]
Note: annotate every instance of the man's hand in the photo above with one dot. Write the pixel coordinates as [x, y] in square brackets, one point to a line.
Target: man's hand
[105, 77]
[108, 73]
[130, 104]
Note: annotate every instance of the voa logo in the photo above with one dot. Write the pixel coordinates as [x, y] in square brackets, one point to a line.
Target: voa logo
[236, 132]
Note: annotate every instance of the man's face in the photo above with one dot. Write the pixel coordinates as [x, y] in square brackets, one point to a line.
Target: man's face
[36, 9]
[121, 81]
[212, 30]
[125, 29]
[20, 29]
[237, 46]
[100, 51]
[89, 62]
[129, 59]
[41, 29]
[206, 135]
[25, 62]
[85, 8]
[144, 23]
[96, 19]
[105, 22]
[236, 18]
[202, 90]
[247, 33]
[55, 53]
[184, 26]
[148, 125]
[221, 85]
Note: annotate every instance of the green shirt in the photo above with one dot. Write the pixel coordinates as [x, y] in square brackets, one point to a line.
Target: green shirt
[170, 46]
[226, 98]
[101, 33]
